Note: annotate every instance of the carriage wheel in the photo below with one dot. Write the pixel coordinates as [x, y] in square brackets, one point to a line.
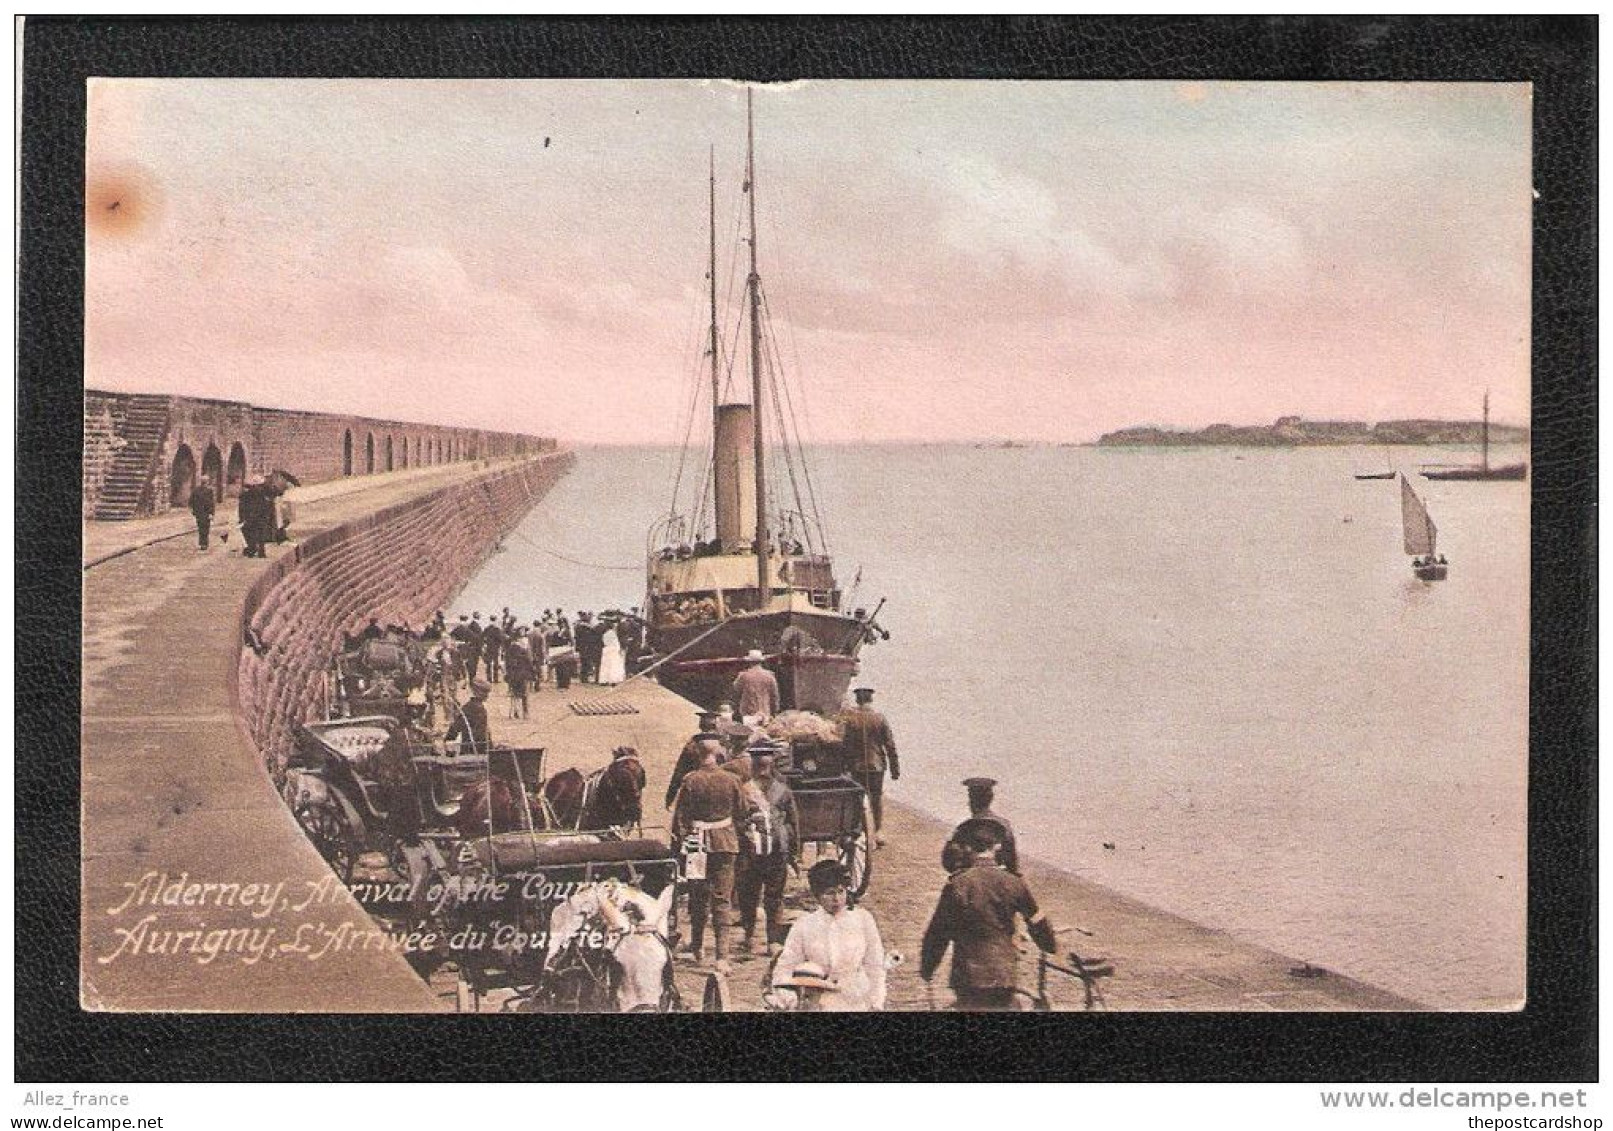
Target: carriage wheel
[716, 998]
[397, 862]
[327, 828]
[856, 853]
[466, 997]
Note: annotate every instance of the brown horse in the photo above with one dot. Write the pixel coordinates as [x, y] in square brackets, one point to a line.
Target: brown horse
[497, 803]
[609, 798]
[565, 795]
[617, 799]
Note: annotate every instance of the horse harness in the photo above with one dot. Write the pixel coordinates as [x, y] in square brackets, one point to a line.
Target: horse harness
[605, 976]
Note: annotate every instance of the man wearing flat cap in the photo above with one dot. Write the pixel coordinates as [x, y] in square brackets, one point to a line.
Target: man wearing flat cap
[869, 750]
[956, 856]
[470, 726]
[975, 917]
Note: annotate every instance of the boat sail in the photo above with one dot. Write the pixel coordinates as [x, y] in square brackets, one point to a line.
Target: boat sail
[1420, 535]
[758, 577]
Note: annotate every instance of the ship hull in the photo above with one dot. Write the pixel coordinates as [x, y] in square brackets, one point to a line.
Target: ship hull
[809, 680]
[1512, 471]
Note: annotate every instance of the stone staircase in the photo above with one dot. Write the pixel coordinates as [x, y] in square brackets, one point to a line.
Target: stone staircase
[126, 490]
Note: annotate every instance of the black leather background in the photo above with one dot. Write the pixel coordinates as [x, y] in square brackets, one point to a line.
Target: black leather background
[1553, 1039]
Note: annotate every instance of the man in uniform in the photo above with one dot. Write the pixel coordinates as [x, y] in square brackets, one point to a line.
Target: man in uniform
[689, 757]
[756, 689]
[470, 725]
[956, 856]
[767, 845]
[202, 503]
[975, 917]
[709, 807]
[870, 750]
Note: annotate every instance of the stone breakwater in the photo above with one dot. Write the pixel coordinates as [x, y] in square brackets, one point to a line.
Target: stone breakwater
[199, 891]
[400, 564]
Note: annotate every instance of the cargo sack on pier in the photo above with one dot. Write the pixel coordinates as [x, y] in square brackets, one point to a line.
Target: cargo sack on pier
[793, 726]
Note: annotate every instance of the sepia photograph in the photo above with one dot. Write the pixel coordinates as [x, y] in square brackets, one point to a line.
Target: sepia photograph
[705, 546]
[1065, 543]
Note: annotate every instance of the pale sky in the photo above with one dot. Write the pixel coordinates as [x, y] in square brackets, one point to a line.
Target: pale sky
[945, 260]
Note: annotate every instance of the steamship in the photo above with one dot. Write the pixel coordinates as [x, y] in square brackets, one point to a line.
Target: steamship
[740, 572]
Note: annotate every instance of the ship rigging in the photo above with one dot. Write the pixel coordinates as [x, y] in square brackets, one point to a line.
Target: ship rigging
[740, 573]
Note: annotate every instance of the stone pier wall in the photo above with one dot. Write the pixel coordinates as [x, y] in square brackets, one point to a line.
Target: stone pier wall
[398, 564]
[143, 453]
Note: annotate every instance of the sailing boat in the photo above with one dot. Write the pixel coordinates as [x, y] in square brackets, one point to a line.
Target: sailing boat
[763, 582]
[1483, 471]
[1421, 537]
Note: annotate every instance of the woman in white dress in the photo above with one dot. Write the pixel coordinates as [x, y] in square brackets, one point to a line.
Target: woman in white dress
[841, 940]
[612, 664]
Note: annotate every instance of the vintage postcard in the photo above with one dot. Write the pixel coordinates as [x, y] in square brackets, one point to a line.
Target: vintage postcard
[687, 546]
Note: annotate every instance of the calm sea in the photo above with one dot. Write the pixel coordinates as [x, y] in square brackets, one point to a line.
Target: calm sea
[1215, 660]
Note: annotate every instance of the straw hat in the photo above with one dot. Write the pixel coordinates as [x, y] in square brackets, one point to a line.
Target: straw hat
[811, 976]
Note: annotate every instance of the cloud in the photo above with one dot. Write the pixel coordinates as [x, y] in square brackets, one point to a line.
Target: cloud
[1044, 257]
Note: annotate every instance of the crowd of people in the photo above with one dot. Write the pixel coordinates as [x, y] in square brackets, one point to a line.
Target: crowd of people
[736, 822]
[736, 819]
[479, 652]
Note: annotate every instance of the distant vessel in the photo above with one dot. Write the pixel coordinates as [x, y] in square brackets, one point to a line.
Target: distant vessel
[1421, 536]
[758, 578]
[1483, 471]
[1389, 474]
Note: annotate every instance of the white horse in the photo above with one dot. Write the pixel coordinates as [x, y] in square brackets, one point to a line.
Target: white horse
[615, 937]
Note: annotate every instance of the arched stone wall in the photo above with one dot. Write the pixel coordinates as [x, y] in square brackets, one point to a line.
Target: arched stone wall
[181, 477]
[235, 443]
[213, 470]
[235, 471]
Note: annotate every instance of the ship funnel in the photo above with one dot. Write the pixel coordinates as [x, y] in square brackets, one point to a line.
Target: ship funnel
[736, 477]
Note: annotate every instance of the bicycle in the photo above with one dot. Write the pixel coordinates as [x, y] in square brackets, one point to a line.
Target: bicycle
[1087, 971]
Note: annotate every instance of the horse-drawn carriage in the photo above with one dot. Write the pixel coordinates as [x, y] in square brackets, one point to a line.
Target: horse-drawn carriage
[384, 675]
[364, 785]
[495, 858]
[568, 922]
[835, 816]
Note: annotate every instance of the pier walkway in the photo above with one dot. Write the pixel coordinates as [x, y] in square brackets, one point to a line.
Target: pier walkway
[174, 797]
[1162, 961]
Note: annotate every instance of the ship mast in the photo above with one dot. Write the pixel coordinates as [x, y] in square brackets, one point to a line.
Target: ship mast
[1486, 433]
[763, 587]
[716, 381]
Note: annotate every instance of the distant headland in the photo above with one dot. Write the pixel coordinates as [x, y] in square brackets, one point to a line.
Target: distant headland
[1294, 431]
